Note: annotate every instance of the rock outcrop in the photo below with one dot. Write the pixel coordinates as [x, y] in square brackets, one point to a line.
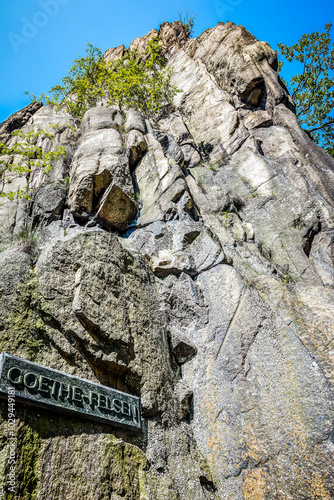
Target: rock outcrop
[100, 180]
[190, 262]
[17, 120]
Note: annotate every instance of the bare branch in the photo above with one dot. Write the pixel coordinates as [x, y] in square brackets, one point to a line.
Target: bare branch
[329, 122]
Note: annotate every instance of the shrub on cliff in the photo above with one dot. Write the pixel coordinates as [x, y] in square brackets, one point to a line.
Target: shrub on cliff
[79, 90]
[188, 21]
[139, 81]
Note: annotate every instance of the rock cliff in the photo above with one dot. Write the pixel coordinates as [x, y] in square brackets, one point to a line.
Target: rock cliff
[189, 262]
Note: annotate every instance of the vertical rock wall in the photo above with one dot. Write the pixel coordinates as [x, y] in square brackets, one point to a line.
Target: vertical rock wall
[189, 262]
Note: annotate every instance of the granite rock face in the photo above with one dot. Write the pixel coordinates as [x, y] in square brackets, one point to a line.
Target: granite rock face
[17, 120]
[190, 262]
[100, 181]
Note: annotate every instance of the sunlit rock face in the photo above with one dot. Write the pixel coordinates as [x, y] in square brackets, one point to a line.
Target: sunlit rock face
[187, 261]
[100, 180]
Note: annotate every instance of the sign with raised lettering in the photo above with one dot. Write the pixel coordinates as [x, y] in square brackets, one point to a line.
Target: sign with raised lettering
[46, 387]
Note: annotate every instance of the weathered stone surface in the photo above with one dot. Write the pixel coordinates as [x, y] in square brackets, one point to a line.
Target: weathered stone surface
[234, 363]
[322, 256]
[160, 182]
[46, 118]
[101, 118]
[100, 180]
[140, 43]
[135, 121]
[63, 127]
[49, 202]
[261, 187]
[187, 313]
[311, 156]
[170, 147]
[248, 72]
[17, 120]
[215, 307]
[183, 352]
[175, 125]
[191, 155]
[257, 119]
[14, 215]
[14, 265]
[173, 36]
[176, 247]
[135, 140]
[114, 53]
[178, 132]
[208, 110]
[76, 280]
[136, 146]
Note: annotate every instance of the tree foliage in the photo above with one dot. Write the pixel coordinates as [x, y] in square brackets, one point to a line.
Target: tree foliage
[313, 89]
[79, 90]
[24, 155]
[135, 80]
[140, 82]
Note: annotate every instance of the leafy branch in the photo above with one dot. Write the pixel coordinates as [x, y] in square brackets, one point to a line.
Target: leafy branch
[23, 156]
[313, 89]
[135, 80]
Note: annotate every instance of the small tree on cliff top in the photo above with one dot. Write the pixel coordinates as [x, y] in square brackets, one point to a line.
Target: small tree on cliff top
[142, 82]
[313, 89]
[80, 88]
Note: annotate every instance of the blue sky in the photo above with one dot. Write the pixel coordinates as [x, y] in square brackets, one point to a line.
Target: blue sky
[40, 38]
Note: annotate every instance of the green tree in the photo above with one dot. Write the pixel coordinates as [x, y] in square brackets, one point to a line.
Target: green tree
[141, 82]
[135, 80]
[313, 89]
[80, 89]
[23, 156]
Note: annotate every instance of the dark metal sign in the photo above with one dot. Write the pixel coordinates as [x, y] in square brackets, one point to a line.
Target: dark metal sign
[43, 386]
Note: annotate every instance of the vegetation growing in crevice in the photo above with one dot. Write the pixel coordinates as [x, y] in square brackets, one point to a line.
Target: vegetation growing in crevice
[188, 21]
[288, 277]
[26, 240]
[226, 219]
